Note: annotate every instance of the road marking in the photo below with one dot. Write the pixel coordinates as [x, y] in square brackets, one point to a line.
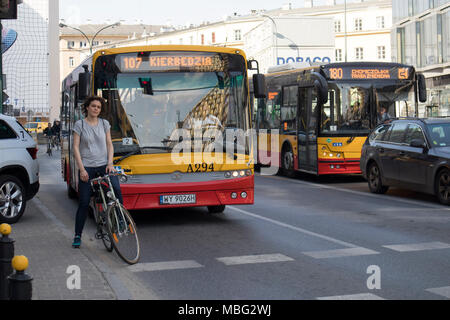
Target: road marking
[418, 246]
[444, 291]
[285, 225]
[264, 258]
[361, 296]
[351, 252]
[365, 194]
[164, 266]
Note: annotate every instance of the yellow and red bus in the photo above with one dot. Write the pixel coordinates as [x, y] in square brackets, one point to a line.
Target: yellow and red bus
[152, 93]
[321, 115]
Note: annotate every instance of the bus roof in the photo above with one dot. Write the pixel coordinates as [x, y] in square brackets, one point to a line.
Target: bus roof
[168, 48]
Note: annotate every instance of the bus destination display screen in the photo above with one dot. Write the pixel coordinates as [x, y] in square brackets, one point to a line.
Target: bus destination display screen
[169, 61]
[367, 73]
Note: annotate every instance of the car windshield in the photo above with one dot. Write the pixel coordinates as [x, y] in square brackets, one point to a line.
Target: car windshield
[145, 109]
[354, 108]
[439, 134]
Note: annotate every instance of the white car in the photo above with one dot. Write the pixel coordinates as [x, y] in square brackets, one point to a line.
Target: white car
[19, 169]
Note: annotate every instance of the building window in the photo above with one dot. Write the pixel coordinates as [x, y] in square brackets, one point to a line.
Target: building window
[95, 43]
[359, 53]
[237, 35]
[83, 44]
[106, 42]
[381, 52]
[338, 54]
[203, 39]
[71, 62]
[213, 37]
[380, 22]
[337, 26]
[70, 44]
[358, 24]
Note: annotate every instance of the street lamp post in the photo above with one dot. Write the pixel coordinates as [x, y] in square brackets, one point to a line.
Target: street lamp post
[90, 43]
[276, 36]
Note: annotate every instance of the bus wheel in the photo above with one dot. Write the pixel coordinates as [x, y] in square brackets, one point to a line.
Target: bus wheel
[287, 162]
[216, 209]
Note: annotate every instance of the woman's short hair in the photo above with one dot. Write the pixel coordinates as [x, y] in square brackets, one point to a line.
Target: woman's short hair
[88, 102]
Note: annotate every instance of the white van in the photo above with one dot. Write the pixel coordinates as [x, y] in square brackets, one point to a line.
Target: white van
[19, 169]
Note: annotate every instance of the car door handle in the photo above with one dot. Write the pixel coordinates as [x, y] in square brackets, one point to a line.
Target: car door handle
[380, 150]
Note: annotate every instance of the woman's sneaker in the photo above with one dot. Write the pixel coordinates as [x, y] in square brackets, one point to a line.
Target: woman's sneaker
[76, 242]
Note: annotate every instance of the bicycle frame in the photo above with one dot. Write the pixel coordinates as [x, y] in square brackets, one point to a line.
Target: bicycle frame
[113, 199]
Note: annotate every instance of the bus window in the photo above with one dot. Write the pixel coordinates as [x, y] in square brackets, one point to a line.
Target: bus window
[289, 108]
[272, 111]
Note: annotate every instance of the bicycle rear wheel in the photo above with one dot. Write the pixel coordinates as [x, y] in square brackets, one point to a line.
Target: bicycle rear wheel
[123, 233]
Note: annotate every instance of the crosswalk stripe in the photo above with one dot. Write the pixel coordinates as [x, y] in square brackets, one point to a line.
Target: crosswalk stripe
[162, 266]
[418, 246]
[361, 296]
[264, 258]
[350, 252]
[444, 291]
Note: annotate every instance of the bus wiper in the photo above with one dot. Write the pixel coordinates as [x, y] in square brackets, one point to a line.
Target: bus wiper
[139, 151]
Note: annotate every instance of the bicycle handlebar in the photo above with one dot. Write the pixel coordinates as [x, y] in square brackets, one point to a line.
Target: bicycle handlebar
[112, 174]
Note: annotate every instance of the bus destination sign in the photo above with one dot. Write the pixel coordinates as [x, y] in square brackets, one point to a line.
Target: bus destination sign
[367, 73]
[142, 62]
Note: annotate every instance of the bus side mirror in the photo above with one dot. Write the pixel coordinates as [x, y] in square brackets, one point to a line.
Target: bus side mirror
[84, 84]
[422, 86]
[259, 86]
[321, 86]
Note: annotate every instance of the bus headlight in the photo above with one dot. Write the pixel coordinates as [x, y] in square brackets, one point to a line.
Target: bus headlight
[228, 175]
[234, 195]
[248, 172]
[235, 174]
[242, 173]
[244, 195]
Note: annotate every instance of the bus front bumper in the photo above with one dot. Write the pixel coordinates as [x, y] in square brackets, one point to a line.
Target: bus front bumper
[339, 166]
[209, 193]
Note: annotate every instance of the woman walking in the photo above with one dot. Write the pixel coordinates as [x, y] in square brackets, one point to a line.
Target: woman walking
[94, 152]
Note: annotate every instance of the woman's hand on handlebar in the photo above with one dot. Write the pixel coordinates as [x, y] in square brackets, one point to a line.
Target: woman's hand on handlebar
[110, 169]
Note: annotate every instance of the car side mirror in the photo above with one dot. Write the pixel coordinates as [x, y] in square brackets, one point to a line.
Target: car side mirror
[419, 143]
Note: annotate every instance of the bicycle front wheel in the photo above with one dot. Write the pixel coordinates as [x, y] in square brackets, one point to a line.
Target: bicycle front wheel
[123, 233]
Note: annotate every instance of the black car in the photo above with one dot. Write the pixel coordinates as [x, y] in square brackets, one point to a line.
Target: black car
[409, 153]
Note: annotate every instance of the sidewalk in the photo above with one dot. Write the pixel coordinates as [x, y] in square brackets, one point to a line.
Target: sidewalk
[46, 244]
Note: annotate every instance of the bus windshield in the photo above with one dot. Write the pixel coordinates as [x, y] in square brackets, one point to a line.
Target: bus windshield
[145, 109]
[352, 109]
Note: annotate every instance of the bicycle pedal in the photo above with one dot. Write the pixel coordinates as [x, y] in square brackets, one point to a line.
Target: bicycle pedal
[99, 236]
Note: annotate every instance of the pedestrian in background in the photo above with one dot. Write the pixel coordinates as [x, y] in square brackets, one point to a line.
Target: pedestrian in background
[94, 152]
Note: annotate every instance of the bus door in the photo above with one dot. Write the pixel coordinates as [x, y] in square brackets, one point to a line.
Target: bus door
[73, 117]
[268, 125]
[307, 129]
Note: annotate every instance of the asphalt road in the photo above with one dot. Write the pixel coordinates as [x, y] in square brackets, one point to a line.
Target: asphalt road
[304, 238]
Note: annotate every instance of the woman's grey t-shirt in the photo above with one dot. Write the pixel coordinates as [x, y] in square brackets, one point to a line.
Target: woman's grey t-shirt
[93, 150]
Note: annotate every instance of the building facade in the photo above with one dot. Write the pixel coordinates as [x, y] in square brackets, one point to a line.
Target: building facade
[350, 31]
[421, 37]
[31, 64]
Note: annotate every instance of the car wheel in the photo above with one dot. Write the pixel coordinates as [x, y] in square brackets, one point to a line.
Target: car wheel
[443, 187]
[216, 209]
[12, 199]
[374, 180]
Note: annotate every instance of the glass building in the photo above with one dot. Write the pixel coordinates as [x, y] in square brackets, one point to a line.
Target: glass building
[421, 37]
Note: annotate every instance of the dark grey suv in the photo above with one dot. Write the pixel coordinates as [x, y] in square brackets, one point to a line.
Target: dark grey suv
[409, 153]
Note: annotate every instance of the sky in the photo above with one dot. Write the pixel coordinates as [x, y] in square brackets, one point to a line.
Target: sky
[178, 12]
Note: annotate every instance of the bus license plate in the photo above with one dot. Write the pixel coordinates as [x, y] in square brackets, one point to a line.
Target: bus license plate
[178, 199]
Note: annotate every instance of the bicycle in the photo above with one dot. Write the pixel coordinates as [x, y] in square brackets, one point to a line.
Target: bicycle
[49, 146]
[115, 226]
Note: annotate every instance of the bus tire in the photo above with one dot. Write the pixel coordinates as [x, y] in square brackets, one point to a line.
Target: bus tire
[287, 162]
[216, 209]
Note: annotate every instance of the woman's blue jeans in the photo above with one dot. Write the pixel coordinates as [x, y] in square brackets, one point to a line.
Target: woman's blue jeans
[85, 194]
